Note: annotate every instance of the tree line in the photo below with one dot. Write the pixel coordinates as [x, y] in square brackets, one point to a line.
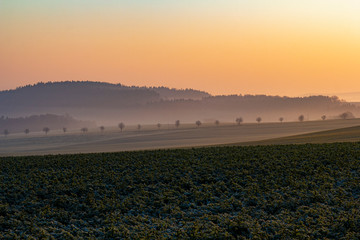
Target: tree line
[198, 123]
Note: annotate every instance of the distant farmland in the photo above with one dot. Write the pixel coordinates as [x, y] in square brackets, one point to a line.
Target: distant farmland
[112, 139]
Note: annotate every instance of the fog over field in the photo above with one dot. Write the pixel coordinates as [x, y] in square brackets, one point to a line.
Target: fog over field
[109, 104]
[152, 137]
[74, 117]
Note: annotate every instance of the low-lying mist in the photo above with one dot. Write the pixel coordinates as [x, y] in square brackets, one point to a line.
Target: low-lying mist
[108, 104]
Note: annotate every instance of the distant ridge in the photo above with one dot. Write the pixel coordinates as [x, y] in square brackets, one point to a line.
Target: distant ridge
[81, 87]
[353, 97]
[108, 103]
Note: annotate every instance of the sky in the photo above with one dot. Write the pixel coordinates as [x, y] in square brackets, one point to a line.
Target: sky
[274, 47]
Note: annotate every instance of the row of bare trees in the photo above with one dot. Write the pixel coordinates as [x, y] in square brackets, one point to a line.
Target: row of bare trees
[198, 123]
[46, 130]
[239, 120]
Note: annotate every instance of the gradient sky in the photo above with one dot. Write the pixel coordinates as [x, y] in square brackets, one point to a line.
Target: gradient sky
[276, 47]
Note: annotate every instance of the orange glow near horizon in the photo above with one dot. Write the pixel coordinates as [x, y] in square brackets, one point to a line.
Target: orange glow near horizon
[222, 56]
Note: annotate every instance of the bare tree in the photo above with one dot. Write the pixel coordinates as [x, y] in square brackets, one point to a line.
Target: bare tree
[346, 115]
[323, 117]
[258, 119]
[343, 115]
[102, 128]
[159, 125]
[138, 127]
[198, 123]
[46, 130]
[301, 118]
[177, 123]
[121, 126]
[281, 119]
[217, 122]
[239, 120]
[6, 132]
[64, 129]
[27, 131]
[84, 129]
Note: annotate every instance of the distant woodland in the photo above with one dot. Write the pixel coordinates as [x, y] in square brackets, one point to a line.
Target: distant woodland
[108, 103]
[37, 123]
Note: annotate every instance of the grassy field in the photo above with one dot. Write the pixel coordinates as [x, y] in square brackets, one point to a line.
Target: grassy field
[351, 134]
[150, 137]
[309, 191]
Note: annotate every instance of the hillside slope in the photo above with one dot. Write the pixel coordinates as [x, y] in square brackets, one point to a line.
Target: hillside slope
[108, 103]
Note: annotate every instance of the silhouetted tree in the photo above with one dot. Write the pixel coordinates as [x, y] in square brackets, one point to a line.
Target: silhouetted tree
[6, 132]
[343, 115]
[346, 115]
[102, 128]
[46, 130]
[138, 127]
[217, 122]
[158, 125]
[239, 120]
[26, 131]
[121, 126]
[301, 118]
[198, 123]
[323, 117]
[177, 123]
[84, 129]
[258, 119]
[281, 119]
[64, 129]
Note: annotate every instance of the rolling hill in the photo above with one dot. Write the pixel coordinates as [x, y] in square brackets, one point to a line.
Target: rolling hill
[108, 104]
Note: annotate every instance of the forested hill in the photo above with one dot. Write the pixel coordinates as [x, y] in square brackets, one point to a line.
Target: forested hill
[108, 103]
[90, 95]
[173, 94]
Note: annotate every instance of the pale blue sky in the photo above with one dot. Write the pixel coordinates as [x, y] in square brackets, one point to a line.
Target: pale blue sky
[317, 10]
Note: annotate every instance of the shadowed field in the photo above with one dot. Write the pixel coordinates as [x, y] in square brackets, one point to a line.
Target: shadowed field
[350, 134]
[187, 135]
